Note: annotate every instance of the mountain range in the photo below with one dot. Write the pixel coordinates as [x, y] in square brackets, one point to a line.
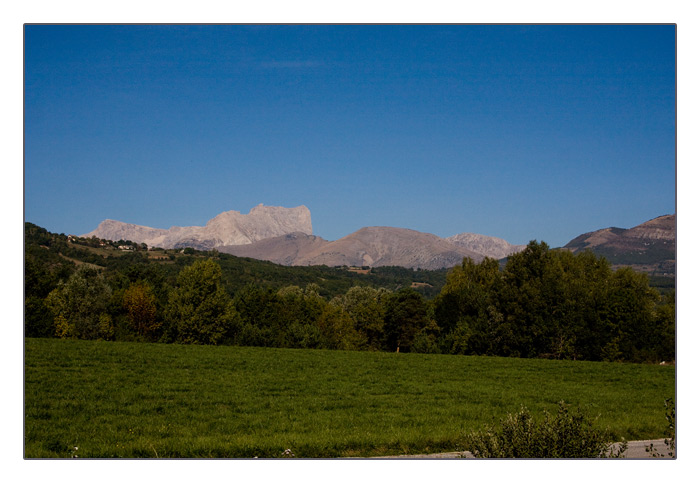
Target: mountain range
[284, 236]
[374, 246]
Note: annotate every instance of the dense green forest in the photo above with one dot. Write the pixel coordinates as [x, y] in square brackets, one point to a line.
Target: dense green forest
[539, 303]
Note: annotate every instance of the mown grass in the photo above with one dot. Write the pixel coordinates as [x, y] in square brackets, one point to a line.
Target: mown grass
[133, 400]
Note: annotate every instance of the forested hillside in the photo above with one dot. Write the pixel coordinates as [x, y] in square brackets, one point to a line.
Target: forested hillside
[59, 253]
[540, 303]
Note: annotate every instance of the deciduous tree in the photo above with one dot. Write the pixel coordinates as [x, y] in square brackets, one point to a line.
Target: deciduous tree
[78, 303]
[199, 310]
[404, 316]
[140, 305]
[364, 305]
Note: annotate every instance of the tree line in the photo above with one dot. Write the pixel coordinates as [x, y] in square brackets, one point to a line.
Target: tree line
[541, 303]
[555, 304]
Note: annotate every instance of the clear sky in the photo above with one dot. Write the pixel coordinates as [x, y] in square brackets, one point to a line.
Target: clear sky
[520, 132]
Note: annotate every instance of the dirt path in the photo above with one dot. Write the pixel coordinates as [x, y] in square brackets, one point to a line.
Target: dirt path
[638, 449]
[635, 450]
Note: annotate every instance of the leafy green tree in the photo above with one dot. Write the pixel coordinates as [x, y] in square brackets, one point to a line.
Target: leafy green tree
[300, 310]
[529, 285]
[666, 326]
[199, 310]
[364, 305]
[301, 305]
[426, 339]
[338, 329]
[630, 311]
[579, 326]
[38, 318]
[78, 303]
[39, 281]
[552, 299]
[140, 305]
[466, 310]
[405, 315]
[260, 316]
[105, 326]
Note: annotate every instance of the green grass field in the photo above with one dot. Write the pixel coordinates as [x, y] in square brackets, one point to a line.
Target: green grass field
[133, 400]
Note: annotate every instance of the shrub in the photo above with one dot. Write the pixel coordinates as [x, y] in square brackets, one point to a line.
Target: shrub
[564, 435]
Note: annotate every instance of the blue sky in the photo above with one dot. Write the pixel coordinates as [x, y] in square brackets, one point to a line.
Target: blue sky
[520, 132]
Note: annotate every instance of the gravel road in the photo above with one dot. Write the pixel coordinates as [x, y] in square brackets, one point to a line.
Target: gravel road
[635, 450]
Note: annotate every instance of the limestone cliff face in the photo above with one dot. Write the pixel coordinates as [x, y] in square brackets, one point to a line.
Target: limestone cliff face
[233, 228]
[228, 228]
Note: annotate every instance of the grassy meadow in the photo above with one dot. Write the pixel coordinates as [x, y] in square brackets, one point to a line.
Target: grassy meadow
[133, 400]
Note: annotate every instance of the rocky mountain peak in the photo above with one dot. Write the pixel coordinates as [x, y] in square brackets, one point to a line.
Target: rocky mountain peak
[227, 228]
[486, 245]
[660, 228]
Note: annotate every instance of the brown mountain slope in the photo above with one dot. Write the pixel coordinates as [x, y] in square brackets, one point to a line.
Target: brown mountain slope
[284, 250]
[372, 246]
[649, 247]
[379, 246]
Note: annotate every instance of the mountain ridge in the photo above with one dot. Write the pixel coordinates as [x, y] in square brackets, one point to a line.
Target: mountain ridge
[649, 247]
[374, 246]
[368, 246]
[284, 236]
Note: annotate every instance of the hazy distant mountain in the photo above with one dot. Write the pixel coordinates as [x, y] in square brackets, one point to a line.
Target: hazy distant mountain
[228, 228]
[283, 250]
[649, 247]
[371, 246]
[488, 246]
[385, 246]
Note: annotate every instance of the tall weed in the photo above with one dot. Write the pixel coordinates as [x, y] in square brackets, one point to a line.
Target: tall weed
[670, 440]
[563, 435]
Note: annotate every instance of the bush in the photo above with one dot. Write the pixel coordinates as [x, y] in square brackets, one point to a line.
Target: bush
[564, 435]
